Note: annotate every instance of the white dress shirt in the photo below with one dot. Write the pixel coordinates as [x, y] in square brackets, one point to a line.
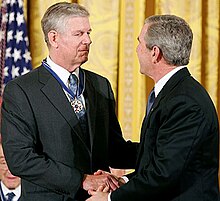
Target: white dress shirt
[16, 191]
[64, 75]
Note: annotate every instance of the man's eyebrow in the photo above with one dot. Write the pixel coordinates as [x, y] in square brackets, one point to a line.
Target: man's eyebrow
[81, 31]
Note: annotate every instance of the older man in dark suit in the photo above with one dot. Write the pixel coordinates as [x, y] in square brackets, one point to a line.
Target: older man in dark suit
[58, 122]
[178, 155]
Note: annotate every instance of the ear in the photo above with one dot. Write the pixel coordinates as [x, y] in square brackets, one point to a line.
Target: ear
[52, 36]
[156, 54]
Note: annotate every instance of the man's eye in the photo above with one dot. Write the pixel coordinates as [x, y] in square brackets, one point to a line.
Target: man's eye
[78, 34]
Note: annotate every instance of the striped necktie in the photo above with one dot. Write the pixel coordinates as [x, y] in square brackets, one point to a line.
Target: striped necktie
[78, 107]
[150, 101]
[76, 102]
[10, 196]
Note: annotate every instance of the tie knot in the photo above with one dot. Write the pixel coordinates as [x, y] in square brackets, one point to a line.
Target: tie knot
[73, 83]
[10, 196]
[73, 79]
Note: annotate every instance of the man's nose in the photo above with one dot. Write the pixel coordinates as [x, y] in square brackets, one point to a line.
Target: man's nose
[87, 39]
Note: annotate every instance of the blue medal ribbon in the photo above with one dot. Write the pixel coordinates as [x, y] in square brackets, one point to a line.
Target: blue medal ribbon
[81, 81]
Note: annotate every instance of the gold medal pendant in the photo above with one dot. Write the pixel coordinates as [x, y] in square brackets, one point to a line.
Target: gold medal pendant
[77, 105]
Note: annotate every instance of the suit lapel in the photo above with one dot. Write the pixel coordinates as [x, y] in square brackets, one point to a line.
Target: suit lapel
[91, 107]
[50, 90]
[168, 87]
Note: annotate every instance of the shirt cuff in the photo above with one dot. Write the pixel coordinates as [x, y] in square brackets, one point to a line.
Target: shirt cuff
[109, 199]
[125, 179]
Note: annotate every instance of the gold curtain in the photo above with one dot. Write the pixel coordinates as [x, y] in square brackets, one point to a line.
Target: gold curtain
[103, 56]
[131, 85]
[116, 25]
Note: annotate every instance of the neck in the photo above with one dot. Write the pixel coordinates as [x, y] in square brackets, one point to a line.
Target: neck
[69, 67]
[162, 71]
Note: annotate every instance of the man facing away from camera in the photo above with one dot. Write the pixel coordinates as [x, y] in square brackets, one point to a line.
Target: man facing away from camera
[179, 145]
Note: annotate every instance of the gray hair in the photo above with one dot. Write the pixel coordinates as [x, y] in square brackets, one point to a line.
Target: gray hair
[172, 35]
[56, 16]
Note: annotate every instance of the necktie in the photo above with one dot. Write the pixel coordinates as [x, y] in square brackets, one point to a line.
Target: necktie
[76, 102]
[78, 107]
[150, 101]
[10, 196]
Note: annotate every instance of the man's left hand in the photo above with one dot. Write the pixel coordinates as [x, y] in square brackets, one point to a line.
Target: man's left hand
[100, 195]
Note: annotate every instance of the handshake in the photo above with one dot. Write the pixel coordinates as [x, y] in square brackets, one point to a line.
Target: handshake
[100, 184]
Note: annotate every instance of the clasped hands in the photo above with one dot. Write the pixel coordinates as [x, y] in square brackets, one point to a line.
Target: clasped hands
[100, 184]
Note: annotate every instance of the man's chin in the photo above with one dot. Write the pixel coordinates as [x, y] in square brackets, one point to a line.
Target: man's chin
[84, 58]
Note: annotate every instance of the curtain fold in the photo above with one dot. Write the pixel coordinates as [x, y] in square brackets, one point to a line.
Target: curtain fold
[131, 85]
[103, 56]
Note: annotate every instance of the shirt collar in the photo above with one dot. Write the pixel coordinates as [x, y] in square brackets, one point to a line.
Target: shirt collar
[16, 191]
[60, 71]
[160, 84]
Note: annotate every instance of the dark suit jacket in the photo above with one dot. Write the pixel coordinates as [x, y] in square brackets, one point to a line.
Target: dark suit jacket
[178, 156]
[43, 141]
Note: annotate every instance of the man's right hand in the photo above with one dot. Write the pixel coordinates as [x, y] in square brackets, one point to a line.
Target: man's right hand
[93, 182]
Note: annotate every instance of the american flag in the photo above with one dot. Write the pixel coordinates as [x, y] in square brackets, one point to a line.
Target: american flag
[15, 58]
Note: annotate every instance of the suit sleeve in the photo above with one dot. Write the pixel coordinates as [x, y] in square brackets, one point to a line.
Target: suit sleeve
[123, 154]
[19, 132]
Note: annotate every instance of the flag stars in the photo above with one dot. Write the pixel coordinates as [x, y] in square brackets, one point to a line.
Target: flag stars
[11, 17]
[20, 19]
[6, 71]
[25, 70]
[26, 40]
[19, 36]
[12, 2]
[16, 55]
[20, 3]
[8, 52]
[15, 71]
[27, 56]
[9, 35]
[4, 18]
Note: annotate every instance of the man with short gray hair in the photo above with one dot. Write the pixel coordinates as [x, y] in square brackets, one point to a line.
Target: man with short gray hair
[58, 122]
[178, 155]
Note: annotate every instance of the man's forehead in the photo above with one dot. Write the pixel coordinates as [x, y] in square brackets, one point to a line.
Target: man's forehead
[79, 24]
